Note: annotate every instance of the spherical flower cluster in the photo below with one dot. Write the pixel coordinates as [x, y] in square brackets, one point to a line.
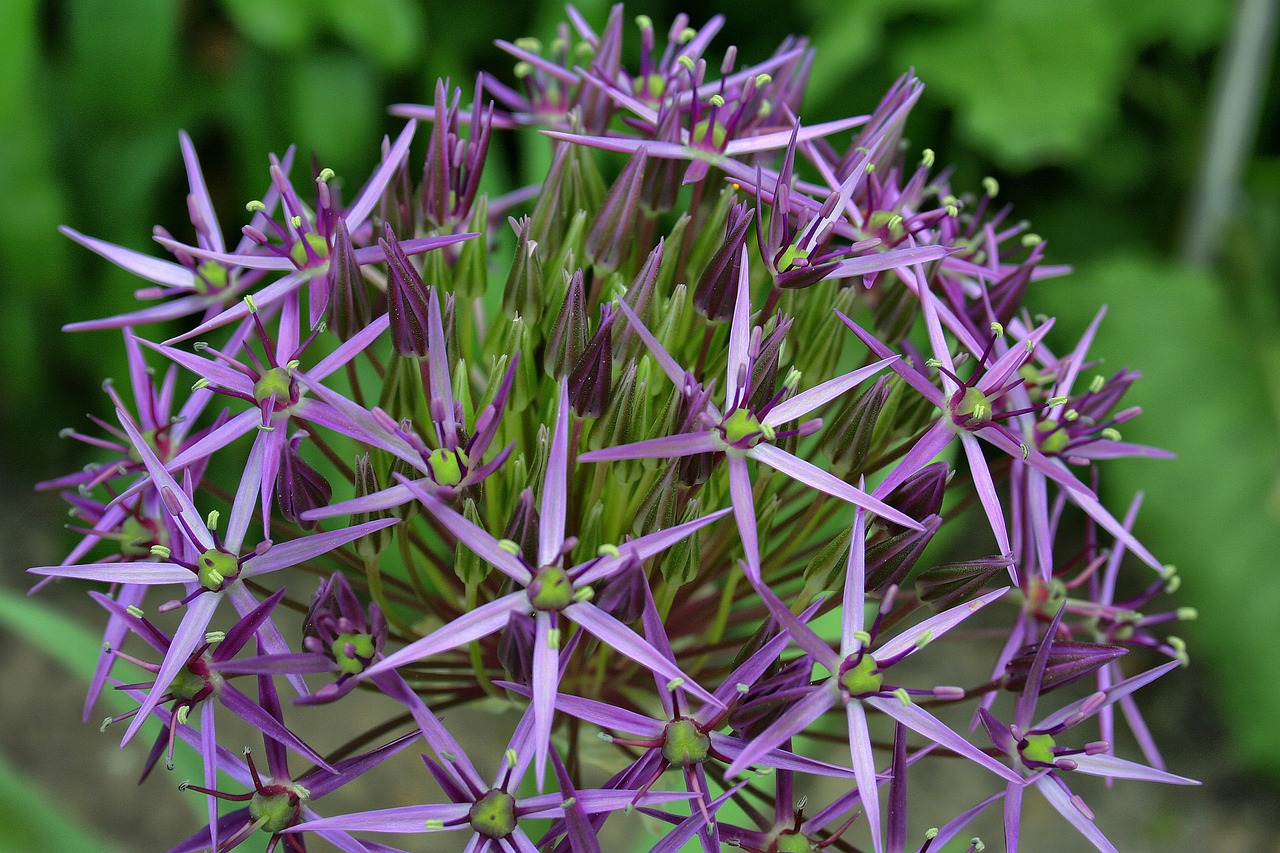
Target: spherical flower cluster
[608, 450]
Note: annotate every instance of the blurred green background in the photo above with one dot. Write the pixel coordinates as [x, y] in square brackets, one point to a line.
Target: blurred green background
[1140, 138]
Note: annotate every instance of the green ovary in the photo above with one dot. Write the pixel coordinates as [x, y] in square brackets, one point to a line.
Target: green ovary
[210, 277]
[1039, 749]
[298, 254]
[215, 568]
[551, 589]
[975, 406]
[861, 678]
[742, 429]
[276, 812]
[1052, 439]
[494, 814]
[277, 382]
[355, 662]
[683, 744]
[792, 842]
[186, 685]
[447, 467]
[708, 129]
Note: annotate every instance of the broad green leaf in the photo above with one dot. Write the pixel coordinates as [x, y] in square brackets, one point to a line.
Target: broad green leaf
[284, 25]
[335, 114]
[32, 820]
[389, 31]
[1030, 82]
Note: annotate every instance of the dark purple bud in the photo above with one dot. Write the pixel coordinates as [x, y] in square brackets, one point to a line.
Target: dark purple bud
[951, 584]
[1068, 662]
[891, 559]
[406, 300]
[764, 365]
[661, 184]
[347, 311]
[522, 528]
[569, 334]
[1006, 295]
[847, 438]
[658, 509]
[299, 487]
[639, 297]
[623, 595]
[591, 380]
[617, 425]
[717, 286]
[921, 494]
[611, 235]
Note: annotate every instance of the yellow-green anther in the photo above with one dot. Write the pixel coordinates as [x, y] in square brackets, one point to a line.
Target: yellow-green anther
[932, 362]
[296, 220]
[568, 802]
[1070, 415]
[1029, 345]
[1180, 650]
[256, 206]
[997, 329]
[674, 683]
[184, 711]
[742, 688]
[1186, 614]
[1026, 451]
[991, 185]
[925, 639]
[927, 157]
[792, 380]
[763, 80]
[869, 168]
[605, 736]
[199, 384]
[644, 22]
[135, 611]
[716, 101]
[863, 637]
[931, 833]
[510, 547]
[292, 364]
[952, 210]
[511, 757]
[978, 846]
[1173, 584]
[586, 593]
[161, 552]
[211, 520]
[1095, 384]
[448, 756]
[212, 637]
[433, 825]
[105, 722]
[686, 61]
[1055, 401]
[902, 695]
[950, 200]
[529, 43]
[607, 550]
[326, 175]
[1111, 434]
[523, 69]
[686, 35]
[1031, 239]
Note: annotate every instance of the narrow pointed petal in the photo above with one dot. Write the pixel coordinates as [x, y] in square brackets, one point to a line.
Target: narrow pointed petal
[662, 447]
[796, 719]
[403, 819]
[555, 488]
[919, 720]
[936, 626]
[546, 679]
[1058, 798]
[819, 395]
[738, 371]
[811, 475]
[645, 547]
[864, 769]
[481, 622]
[297, 551]
[484, 545]
[986, 489]
[744, 511]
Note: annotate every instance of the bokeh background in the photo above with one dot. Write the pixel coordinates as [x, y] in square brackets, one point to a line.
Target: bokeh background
[1142, 140]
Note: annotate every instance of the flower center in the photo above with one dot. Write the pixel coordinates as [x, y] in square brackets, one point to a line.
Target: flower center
[318, 245]
[1052, 438]
[275, 807]
[215, 569]
[709, 133]
[275, 382]
[447, 467]
[494, 814]
[971, 409]
[210, 277]
[1037, 750]
[352, 652]
[743, 430]
[793, 842]
[861, 679]
[551, 589]
[190, 682]
[683, 744]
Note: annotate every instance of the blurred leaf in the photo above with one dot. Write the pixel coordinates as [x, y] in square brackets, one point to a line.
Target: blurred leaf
[1215, 510]
[335, 99]
[282, 25]
[123, 60]
[389, 31]
[1030, 82]
[31, 820]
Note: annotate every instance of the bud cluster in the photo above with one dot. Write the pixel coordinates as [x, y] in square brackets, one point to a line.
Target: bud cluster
[696, 445]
